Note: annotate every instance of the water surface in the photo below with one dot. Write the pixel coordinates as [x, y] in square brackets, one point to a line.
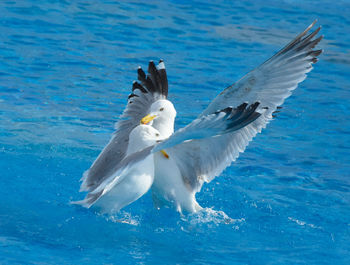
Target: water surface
[66, 70]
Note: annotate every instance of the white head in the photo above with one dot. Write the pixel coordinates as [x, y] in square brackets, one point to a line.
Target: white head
[141, 137]
[162, 114]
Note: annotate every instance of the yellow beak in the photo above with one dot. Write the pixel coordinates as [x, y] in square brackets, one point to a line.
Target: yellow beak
[164, 154]
[147, 119]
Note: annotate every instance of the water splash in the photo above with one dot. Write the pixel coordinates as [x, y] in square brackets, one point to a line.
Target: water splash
[124, 217]
[210, 216]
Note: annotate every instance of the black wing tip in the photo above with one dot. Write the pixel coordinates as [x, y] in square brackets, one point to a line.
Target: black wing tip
[132, 95]
[311, 25]
[226, 110]
[243, 115]
[151, 64]
[141, 75]
[137, 85]
[155, 81]
[303, 41]
[309, 38]
[158, 76]
[254, 105]
[244, 107]
[318, 30]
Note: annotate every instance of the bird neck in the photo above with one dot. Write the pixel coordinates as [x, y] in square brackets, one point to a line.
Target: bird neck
[165, 126]
[136, 145]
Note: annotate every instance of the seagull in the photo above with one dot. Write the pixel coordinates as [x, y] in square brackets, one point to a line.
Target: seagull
[127, 182]
[149, 95]
[198, 161]
[199, 152]
[134, 175]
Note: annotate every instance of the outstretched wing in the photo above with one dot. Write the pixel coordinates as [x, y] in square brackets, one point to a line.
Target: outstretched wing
[273, 81]
[153, 87]
[270, 84]
[219, 123]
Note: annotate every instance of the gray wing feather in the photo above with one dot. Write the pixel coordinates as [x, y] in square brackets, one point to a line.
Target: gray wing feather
[152, 88]
[201, 160]
[219, 123]
[116, 175]
[273, 81]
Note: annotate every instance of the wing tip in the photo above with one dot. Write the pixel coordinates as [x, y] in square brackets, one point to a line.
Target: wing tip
[161, 65]
[302, 34]
[158, 75]
[155, 81]
[300, 42]
[312, 24]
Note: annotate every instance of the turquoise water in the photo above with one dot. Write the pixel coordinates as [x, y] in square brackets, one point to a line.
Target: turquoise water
[66, 69]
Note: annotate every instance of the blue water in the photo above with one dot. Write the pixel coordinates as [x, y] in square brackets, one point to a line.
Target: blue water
[66, 69]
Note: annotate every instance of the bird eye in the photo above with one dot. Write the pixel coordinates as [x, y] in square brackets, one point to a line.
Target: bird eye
[161, 109]
[157, 134]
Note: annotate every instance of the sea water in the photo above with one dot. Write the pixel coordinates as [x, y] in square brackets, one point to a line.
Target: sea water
[66, 70]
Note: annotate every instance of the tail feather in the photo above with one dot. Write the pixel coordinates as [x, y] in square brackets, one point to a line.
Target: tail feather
[89, 200]
[85, 185]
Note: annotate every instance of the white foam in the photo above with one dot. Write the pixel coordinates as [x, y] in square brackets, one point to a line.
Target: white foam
[302, 223]
[124, 218]
[208, 215]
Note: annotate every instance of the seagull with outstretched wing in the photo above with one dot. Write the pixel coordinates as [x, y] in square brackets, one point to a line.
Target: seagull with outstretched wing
[201, 160]
[202, 150]
[134, 175]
